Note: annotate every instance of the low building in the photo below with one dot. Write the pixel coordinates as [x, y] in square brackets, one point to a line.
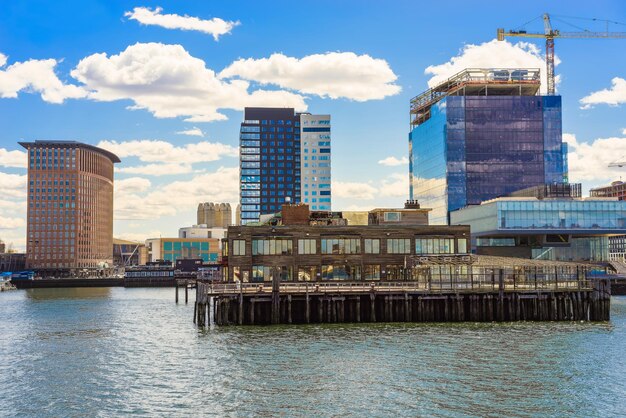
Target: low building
[314, 252]
[12, 262]
[202, 231]
[172, 249]
[128, 253]
[565, 229]
[412, 214]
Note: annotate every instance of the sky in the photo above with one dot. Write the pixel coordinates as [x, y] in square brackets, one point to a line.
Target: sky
[163, 85]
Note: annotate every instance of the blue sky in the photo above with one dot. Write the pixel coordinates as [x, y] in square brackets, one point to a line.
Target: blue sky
[381, 51]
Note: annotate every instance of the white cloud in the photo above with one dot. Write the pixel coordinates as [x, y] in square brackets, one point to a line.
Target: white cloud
[354, 190]
[35, 76]
[333, 74]
[15, 158]
[396, 185]
[13, 185]
[166, 200]
[192, 132]
[590, 161]
[158, 151]
[139, 237]
[215, 27]
[11, 223]
[492, 54]
[614, 96]
[393, 161]
[132, 185]
[624, 131]
[167, 81]
[156, 169]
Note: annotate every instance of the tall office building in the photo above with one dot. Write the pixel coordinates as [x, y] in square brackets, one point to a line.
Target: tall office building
[70, 206]
[215, 215]
[482, 134]
[284, 157]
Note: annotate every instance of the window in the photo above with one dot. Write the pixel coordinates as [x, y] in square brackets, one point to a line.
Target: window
[372, 246]
[274, 246]
[434, 246]
[398, 246]
[371, 272]
[239, 247]
[392, 216]
[308, 273]
[341, 272]
[462, 246]
[341, 246]
[307, 246]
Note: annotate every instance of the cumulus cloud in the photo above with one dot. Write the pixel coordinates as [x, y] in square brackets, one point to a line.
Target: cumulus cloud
[15, 158]
[167, 81]
[156, 169]
[192, 132]
[395, 185]
[333, 74]
[589, 161]
[11, 223]
[13, 185]
[355, 190]
[35, 76]
[215, 27]
[393, 161]
[219, 186]
[613, 96]
[159, 151]
[132, 185]
[493, 54]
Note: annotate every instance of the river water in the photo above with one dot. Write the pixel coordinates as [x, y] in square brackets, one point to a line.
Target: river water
[115, 351]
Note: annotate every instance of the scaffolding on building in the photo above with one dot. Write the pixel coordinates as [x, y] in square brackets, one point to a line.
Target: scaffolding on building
[476, 82]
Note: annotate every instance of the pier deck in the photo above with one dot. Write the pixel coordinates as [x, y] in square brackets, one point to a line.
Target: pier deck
[483, 295]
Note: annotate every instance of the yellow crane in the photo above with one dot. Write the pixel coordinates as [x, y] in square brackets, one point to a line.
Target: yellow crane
[550, 34]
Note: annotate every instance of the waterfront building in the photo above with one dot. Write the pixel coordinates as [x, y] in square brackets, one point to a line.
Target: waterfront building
[576, 229]
[202, 231]
[172, 249]
[284, 157]
[482, 134]
[129, 253]
[308, 247]
[218, 215]
[616, 189]
[12, 262]
[70, 206]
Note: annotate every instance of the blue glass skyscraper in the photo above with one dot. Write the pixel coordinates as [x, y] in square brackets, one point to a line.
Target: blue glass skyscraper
[483, 134]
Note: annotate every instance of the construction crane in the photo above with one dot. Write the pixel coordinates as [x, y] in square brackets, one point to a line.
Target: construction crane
[617, 164]
[550, 34]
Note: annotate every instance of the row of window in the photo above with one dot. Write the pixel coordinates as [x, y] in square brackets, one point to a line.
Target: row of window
[284, 246]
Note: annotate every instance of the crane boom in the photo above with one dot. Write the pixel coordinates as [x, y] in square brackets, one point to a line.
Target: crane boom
[549, 35]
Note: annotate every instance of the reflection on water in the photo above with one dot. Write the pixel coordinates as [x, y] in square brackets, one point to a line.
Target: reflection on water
[134, 351]
[69, 293]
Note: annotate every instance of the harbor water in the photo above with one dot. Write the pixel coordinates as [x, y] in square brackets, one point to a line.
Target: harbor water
[115, 351]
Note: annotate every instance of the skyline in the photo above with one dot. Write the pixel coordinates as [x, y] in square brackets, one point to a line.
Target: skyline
[164, 89]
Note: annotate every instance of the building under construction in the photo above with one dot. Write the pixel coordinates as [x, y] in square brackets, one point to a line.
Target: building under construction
[481, 134]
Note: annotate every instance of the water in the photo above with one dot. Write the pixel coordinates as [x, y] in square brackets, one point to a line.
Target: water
[114, 352]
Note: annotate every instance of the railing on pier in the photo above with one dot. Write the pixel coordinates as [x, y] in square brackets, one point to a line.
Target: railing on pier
[432, 281]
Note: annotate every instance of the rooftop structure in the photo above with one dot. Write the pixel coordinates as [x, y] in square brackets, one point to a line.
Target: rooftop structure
[616, 189]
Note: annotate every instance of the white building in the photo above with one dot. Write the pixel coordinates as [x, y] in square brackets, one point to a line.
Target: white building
[315, 161]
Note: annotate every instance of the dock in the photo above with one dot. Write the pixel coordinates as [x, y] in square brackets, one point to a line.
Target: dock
[475, 295]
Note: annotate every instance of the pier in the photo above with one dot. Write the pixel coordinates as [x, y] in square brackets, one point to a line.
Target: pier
[475, 295]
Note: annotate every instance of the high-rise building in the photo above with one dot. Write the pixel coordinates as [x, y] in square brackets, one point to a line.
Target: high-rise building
[212, 215]
[481, 134]
[70, 206]
[284, 157]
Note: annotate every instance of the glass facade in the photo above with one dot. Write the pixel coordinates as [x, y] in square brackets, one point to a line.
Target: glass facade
[178, 249]
[283, 155]
[476, 148]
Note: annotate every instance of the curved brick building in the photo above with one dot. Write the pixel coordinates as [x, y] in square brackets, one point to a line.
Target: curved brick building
[70, 206]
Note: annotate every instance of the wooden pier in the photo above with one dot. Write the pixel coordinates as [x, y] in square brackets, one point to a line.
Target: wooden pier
[478, 296]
